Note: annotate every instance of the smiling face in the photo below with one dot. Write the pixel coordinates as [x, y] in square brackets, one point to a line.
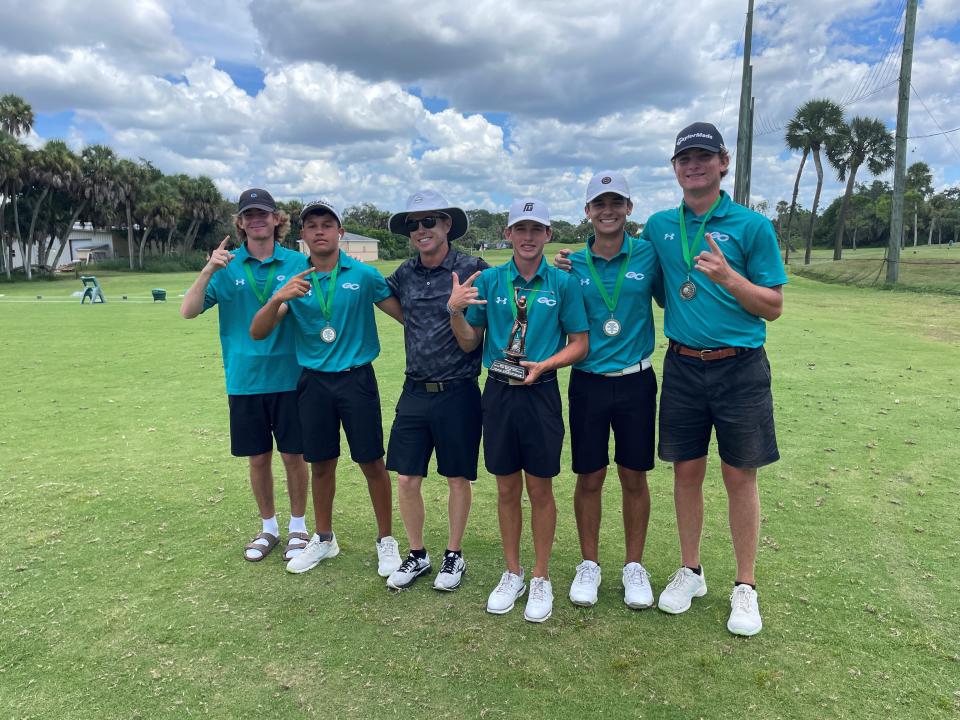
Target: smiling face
[699, 171]
[608, 213]
[321, 232]
[430, 241]
[528, 238]
[258, 225]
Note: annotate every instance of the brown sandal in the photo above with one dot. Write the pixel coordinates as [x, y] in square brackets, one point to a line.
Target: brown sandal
[264, 550]
[295, 541]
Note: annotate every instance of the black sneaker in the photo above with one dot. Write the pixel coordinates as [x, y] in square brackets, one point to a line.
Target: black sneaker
[451, 572]
[410, 569]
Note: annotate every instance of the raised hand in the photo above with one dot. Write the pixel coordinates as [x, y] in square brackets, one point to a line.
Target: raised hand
[714, 264]
[464, 294]
[561, 261]
[296, 287]
[220, 257]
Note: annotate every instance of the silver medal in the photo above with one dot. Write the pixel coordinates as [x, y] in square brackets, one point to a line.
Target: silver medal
[328, 334]
[688, 290]
[611, 328]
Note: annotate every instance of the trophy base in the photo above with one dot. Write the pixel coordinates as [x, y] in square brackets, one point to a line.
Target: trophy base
[507, 370]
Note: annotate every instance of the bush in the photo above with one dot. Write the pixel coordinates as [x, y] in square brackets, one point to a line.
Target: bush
[193, 261]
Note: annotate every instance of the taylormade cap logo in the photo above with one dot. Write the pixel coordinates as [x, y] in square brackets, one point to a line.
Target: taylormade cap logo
[699, 135]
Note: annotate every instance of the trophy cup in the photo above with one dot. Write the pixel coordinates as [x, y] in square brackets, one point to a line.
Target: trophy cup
[509, 368]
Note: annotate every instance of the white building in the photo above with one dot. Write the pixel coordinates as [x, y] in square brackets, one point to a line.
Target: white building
[85, 244]
[359, 247]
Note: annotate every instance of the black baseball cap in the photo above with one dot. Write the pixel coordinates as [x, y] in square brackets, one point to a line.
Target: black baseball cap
[699, 135]
[256, 199]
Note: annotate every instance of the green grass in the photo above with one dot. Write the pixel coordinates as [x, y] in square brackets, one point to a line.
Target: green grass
[934, 268]
[123, 592]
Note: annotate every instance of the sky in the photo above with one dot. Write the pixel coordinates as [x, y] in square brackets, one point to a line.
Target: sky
[483, 101]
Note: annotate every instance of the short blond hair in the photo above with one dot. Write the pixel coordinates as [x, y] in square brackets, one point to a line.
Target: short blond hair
[279, 232]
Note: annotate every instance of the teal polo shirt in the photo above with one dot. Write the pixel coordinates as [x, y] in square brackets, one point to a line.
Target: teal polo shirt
[551, 315]
[358, 287]
[641, 282]
[254, 366]
[713, 318]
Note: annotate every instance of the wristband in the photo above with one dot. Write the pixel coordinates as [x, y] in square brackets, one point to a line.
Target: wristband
[451, 311]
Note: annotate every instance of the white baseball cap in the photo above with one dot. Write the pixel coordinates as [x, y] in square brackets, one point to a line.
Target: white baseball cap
[607, 181]
[528, 208]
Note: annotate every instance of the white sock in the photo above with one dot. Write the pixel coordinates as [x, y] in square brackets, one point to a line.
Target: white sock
[297, 524]
[269, 526]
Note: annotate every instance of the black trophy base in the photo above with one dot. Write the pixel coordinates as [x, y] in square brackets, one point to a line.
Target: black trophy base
[508, 369]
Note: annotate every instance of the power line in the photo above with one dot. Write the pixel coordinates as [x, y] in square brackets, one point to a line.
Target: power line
[937, 134]
[939, 127]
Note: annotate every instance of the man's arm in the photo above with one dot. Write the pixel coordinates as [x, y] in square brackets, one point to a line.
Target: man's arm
[764, 302]
[576, 349]
[192, 304]
[391, 306]
[270, 315]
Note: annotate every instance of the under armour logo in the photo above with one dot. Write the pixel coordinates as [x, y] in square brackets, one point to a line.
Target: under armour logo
[668, 236]
[350, 286]
[528, 207]
[549, 302]
[584, 281]
[240, 281]
[634, 275]
[501, 301]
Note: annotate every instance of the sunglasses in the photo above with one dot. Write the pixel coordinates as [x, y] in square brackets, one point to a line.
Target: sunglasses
[427, 222]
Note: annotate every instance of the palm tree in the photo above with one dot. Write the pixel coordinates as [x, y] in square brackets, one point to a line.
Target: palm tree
[129, 178]
[812, 126]
[53, 167]
[157, 209]
[11, 168]
[864, 140]
[16, 115]
[201, 201]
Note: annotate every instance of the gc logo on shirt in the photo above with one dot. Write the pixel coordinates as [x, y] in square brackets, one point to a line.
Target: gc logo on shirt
[549, 302]
[634, 275]
[350, 286]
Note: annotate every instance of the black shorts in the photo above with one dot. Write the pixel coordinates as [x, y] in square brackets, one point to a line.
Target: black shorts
[733, 395]
[256, 419]
[329, 399]
[448, 421]
[522, 428]
[628, 404]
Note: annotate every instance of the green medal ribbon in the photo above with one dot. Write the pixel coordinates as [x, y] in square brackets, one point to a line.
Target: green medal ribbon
[262, 295]
[688, 250]
[513, 292]
[326, 306]
[611, 303]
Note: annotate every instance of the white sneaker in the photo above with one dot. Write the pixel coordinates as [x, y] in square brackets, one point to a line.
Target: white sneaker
[388, 556]
[583, 589]
[315, 551]
[451, 572]
[409, 570]
[540, 602]
[505, 594]
[637, 592]
[744, 612]
[684, 585]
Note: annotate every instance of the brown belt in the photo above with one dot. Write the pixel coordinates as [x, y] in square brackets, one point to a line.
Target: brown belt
[717, 354]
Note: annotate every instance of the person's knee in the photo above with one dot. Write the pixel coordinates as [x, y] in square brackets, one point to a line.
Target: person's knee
[591, 482]
[540, 491]
[634, 483]
[261, 462]
[292, 461]
[409, 483]
[509, 492]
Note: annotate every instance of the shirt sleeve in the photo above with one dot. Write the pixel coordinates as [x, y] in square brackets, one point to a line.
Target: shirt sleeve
[573, 315]
[381, 291]
[764, 265]
[476, 315]
[210, 297]
[393, 282]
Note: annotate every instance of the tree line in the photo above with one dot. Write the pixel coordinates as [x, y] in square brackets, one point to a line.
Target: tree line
[862, 213]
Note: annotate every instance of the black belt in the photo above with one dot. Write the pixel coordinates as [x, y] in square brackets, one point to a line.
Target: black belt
[545, 378]
[336, 372]
[436, 386]
[708, 354]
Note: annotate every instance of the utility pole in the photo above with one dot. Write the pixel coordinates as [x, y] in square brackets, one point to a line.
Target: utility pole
[741, 185]
[900, 164]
